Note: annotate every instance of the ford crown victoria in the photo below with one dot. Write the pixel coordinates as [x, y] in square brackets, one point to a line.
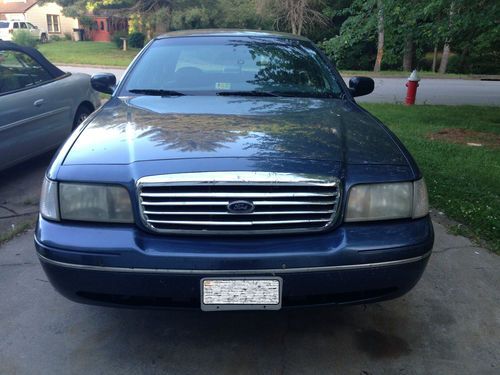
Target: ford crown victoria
[233, 170]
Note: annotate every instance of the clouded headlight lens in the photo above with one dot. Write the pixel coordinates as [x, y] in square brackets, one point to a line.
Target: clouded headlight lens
[87, 202]
[387, 201]
[420, 199]
[49, 205]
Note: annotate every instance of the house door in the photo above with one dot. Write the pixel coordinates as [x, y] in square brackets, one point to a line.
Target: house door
[102, 32]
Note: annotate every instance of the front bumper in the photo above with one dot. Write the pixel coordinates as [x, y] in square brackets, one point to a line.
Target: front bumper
[118, 265]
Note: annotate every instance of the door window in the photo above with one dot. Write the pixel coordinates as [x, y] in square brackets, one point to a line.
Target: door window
[16, 25]
[23, 25]
[19, 71]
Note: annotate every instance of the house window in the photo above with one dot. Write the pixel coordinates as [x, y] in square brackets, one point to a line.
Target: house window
[53, 23]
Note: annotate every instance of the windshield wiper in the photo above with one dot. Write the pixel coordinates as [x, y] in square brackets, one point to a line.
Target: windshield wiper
[246, 93]
[156, 92]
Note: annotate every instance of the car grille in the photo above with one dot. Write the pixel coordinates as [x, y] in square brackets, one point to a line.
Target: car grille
[238, 202]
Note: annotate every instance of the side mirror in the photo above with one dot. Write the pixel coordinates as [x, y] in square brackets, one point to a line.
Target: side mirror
[360, 86]
[103, 82]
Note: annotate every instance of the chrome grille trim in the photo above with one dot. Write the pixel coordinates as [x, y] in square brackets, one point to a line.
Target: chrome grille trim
[225, 203]
[234, 223]
[234, 195]
[196, 203]
[228, 213]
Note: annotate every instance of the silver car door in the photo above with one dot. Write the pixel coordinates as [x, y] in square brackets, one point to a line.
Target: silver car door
[56, 101]
[32, 120]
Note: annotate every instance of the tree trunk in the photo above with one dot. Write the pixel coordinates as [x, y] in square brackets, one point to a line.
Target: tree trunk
[434, 58]
[446, 49]
[408, 53]
[444, 58]
[301, 4]
[381, 36]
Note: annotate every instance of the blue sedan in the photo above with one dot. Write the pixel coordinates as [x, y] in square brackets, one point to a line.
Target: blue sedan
[233, 170]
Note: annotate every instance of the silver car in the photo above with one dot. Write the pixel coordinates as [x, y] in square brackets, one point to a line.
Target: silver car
[40, 105]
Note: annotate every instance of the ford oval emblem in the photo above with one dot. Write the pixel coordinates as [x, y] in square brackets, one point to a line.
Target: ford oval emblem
[240, 207]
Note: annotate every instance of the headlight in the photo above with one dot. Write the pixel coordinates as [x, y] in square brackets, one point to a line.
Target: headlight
[387, 201]
[420, 199]
[88, 202]
[49, 204]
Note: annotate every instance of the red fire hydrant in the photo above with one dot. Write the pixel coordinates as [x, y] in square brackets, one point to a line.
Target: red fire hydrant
[412, 84]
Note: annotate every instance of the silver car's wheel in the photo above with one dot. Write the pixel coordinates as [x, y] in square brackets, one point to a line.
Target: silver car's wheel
[81, 118]
[82, 113]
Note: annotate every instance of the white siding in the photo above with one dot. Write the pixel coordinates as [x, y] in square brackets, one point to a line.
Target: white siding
[15, 16]
[37, 15]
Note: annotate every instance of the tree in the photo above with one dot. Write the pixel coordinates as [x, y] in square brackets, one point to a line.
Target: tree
[446, 48]
[295, 15]
[357, 34]
[353, 47]
[150, 13]
[381, 36]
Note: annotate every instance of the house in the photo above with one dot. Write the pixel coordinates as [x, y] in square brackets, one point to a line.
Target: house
[47, 16]
[105, 26]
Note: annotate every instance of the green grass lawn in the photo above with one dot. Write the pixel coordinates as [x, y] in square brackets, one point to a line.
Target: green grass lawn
[463, 181]
[91, 53]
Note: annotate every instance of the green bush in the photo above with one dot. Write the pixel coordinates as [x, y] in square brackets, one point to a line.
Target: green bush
[116, 39]
[24, 38]
[136, 40]
[454, 64]
[358, 56]
[55, 38]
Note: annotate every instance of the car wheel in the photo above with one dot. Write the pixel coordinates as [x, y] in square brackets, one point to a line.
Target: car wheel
[81, 114]
[43, 38]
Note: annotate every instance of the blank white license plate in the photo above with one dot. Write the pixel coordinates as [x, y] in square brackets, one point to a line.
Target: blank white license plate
[229, 293]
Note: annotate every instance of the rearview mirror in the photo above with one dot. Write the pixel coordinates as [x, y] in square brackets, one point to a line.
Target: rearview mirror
[103, 82]
[360, 86]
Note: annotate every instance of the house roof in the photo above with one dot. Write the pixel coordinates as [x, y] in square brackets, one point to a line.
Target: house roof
[16, 6]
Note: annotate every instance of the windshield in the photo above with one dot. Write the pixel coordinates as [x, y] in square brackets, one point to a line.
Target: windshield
[247, 66]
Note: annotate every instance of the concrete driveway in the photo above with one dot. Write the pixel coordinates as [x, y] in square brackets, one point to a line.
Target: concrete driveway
[449, 324]
[393, 90]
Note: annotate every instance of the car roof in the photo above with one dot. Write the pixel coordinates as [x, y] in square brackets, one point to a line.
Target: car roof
[35, 55]
[230, 32]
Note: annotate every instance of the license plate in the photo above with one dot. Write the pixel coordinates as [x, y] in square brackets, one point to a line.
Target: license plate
[230, 293]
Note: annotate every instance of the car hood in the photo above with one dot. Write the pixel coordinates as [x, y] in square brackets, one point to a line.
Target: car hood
[146, 128]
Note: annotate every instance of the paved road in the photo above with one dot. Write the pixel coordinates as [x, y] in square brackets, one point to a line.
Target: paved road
[449, 324]
[393, 90]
